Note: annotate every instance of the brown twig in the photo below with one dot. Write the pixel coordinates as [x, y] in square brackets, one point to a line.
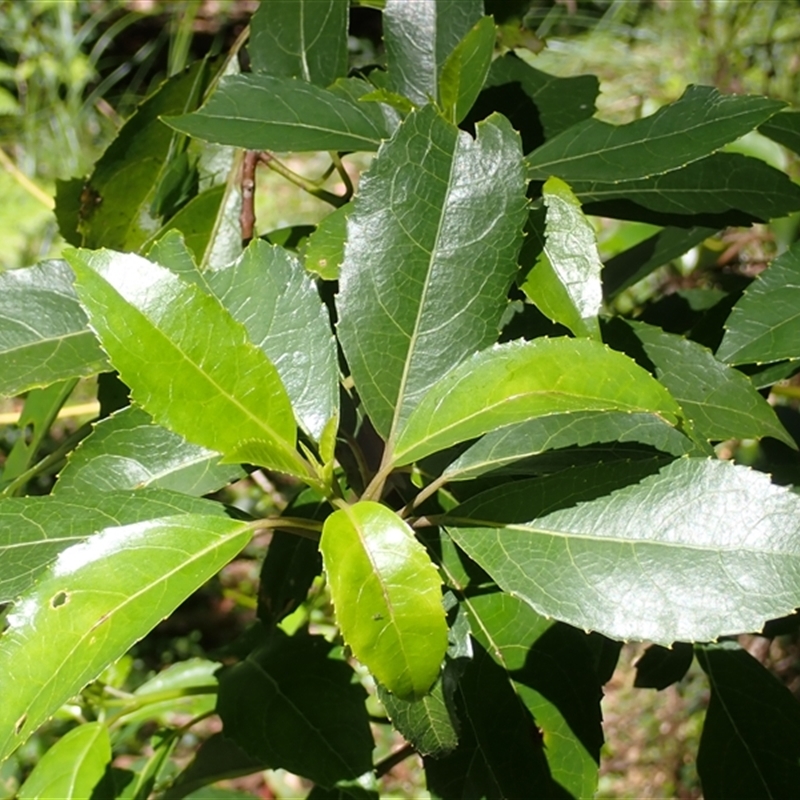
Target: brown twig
[247, 218]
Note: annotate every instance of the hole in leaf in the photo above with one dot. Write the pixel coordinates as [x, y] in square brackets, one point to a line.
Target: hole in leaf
[59, 599]
[20, 724]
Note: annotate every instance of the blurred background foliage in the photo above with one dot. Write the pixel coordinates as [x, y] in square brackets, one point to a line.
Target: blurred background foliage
[71, 71]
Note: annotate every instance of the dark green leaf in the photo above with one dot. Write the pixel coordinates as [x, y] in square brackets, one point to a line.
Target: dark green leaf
[262, 112]
[140, 309]
[657, 560]
[691, 128]
[784, 128]
[128, 451]
[44, 336]
[630, 266]
[764, 325]
[324, 253]
[72, 767]
[519, 381]
[465, 70]
[292, 703]
[69, 195]
[660, 667]
[419, 37]
[387, 596]
[565, 282]
[34, 530]
[720, 401]
[269, 292]
[300, 39]
[431, 251]
[750, 745]
[97, 599]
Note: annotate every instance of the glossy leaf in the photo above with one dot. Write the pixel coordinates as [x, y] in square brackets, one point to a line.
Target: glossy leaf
[465, 70]
[34, 530]
[44, 336]
[750, 745]
[657, 560]
[764, 325]
[310, 719]
[506, 445]
[519, 381]
[116, 202]
[128, 451]
[565, 282]
[431, 251]
[784, 128]
[300, 39]
[324, 252]
[139, 309]
[268, 291]
[172, 252]
[387, 596]
[97, 599]
[691, 128]
[660, 667]
[720, 401]
[419, 37]
[718, 184]
[263, 112]
[72, 767]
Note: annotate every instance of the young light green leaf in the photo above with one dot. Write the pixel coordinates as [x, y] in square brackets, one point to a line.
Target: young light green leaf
[310, 718]
[44, 336]
[691, 128]
[172, 252]
[263, 112]
[34, 530]
[565, 282]
[419, 37]
[180, 350]
[750, 745]
[304, 39]
[72, 767]
[127, 450]
[720, 401]
[324, 252]
[95, 601]
[424, 282]
[503, 446]
[387, 596]
[764, 325]
[657, 560]
[519, 381]
[269, 292]
[465, 70]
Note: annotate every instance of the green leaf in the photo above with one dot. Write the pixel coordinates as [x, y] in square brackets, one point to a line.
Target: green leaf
[387, 596]
[72, 767]
[519, 381]
[696, 125]
[293, 704]
[714, 185]
[560, 102]
[262, 112]
[419, 37]
[304, 39]
[750, 745]
[465, 70]
[269, 292]
[720, 401]
[503, 446]
[431, 251]
[128, 451]
[34, 530]
[139, 309]
[44, 337]
[660, 667]
[324, 252]
[117, 199]
[551, 668]
[172, 252]
[565, 282]
[95, 601]
[658, 560]
[764, 325]
[630, 266]
[784, 128]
